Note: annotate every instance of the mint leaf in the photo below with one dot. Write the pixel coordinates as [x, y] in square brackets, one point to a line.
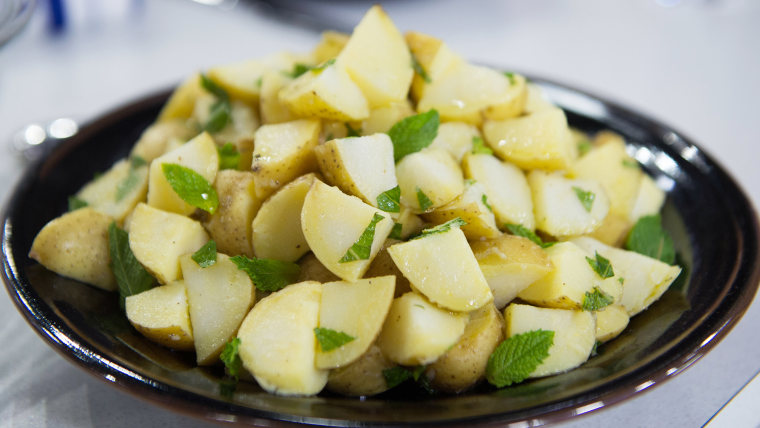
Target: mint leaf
[484, 198]
[206, 255]
[647, 237]
[267, 274]
[137, 161]
[510, 76]
[76, 203]
[586, 197]
[596, 300]
[423, 200]
[131, 180]
[390, 200]
[414, 133]
[131, 276]
[351, 132]
[191, 187]
[479, 147]
[220, 112]
[299, 69]
[621, 280]
[601, 266]
[229, 157]
[396, 231]
[319, 68]
[583, 147]
[361, 249]
[331, 339]
[231, 358]
[441, 228]
[517, 357]
[417, 67]
[628, 163]
[395, 376]
[520, 230]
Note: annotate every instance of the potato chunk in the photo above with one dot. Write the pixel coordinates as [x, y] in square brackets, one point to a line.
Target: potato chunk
[327, 93]
[610, 322]
[432, 172]
[377, 59]
[566, 207]
[574, 334]
[117, 191]
[539, 140]
[283, 152]
[219, 297]
[456, 138]
[363, 377]
[357, 309]
[277, 342]
[434, 56]
[75, 245]
[158, 238]
[198, 154]
[240, 79]
[510, 264]
[230, 225]
[161, 314]
[471, 207]
[442, 267]
[417, 332]
[360, 166]
[462, 366]
[333, 221]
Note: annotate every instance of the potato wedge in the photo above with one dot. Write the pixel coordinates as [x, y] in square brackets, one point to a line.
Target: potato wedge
[472, 206]
[161, 314]
[118, 190]
[432, 172]
[230, 225]
[363, 377]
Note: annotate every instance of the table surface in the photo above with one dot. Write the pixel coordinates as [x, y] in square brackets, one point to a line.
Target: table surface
[691, 64]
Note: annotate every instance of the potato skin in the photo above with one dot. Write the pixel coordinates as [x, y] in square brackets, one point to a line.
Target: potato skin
[363, 377]
[464, 365]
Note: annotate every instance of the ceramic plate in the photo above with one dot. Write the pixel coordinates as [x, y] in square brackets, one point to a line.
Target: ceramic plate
[708, 216]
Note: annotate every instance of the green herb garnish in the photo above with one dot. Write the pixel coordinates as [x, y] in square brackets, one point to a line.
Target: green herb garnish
[511, 77]
[586, 197]
[423, 200]
[596, 300]
[131, 180]
[299, 68]
[396, 231]
[395, 376]
[414, 133]
[441, 228]
[417, 67]
[131, 276]
[229, 157]
[267, 274]
[220, 113]
[601, 266]
[206, 255]
[584, 147]
[231, 358]
[76, 203]
[517, 357]
[191, 187]
[390, 200]
[351, 132]
[362, 248]
[484, 198]
[628, 163]
[479, 147]
[520, 230]
[647, 237]
[330, 339]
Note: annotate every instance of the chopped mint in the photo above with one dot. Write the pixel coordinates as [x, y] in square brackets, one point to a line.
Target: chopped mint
[423, 200]
[647, 237]
[517, 357]
[417, 67]
[601, 266]
[330, 339]
[586, 197]
[520, 230]
[229, 157]
[596, 300]
[362, 248]
[390, 200]
[267, 274]
[131, 276]
[479, 147]
[191, 187]
[206, 255]
[414, 133]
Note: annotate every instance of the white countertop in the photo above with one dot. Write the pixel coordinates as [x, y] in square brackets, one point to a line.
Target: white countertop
[693, 65]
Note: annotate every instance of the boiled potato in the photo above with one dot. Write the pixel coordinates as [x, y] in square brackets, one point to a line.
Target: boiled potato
[363, 377]
[649, 199]
[377, 59]
[464, 365]
[510, 264]
[230, 225]
[283, 152]
[382, 119]
[155, 140]
[161, 314]
[330, 45]
[442, 267]
[326, 93]
[182, 101]
[333, 221]
[610, 322]
[219, 297]
[198, 154]
[432, 172]
[360, 166]
[535, 99]
[277, 342]
[512, 102]
[313, 270]
[567, 207]
[538, 140]
[240, 79]
[574, 334]
[356, 308]
[417, 332]
[276, 230]
[383, 265]
[158, 238]
[505, 186]
[75, 245]
[271, 109]
[456, 138]
[118, 190]
[435, 58]
[471, 207]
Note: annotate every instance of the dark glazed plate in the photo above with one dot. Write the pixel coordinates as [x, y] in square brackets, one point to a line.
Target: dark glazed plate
[710, 219]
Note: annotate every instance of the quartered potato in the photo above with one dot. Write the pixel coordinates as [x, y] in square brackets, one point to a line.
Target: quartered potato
[357, 216]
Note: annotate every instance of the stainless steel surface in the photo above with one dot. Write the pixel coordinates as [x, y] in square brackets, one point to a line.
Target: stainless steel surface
[691, 64]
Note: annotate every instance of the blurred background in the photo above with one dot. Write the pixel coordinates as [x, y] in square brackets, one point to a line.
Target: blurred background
[692, 64]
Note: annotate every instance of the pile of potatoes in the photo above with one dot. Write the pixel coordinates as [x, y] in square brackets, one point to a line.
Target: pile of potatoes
[314, 155]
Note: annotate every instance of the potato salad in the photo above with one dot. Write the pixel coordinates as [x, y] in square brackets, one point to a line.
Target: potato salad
[377, 211]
